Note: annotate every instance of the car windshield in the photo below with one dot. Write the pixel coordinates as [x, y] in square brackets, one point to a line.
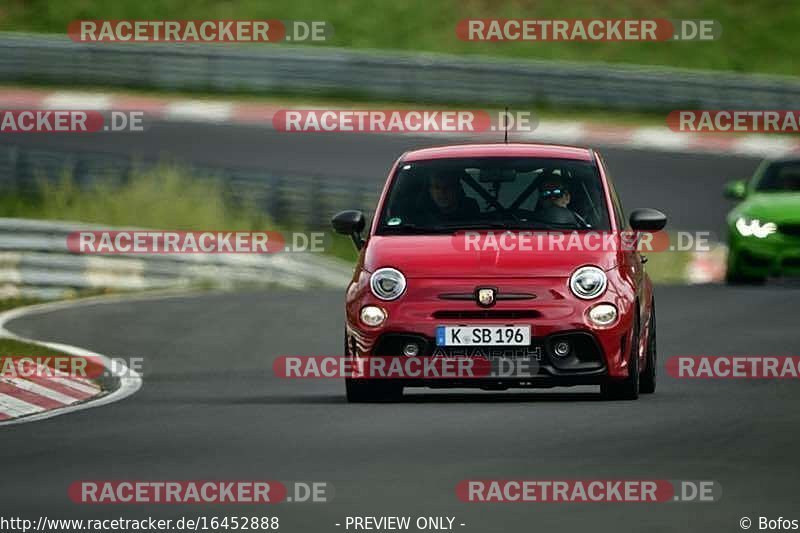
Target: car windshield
[780, 177]
[447, 195]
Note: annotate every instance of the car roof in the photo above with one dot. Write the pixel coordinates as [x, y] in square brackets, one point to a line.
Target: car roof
[555, 151]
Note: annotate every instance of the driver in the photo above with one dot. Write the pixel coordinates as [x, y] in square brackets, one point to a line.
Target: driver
[554, 194]
[449, 200]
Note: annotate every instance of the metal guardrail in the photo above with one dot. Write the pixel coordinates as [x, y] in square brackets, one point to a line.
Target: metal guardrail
[381, 74]
[35, 262]
[289, 200]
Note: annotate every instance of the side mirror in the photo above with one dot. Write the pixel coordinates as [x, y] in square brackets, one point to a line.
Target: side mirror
[350, 223]
[647, 220]
[736, 190]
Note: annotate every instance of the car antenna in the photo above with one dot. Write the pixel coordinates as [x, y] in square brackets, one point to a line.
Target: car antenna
[505, 125]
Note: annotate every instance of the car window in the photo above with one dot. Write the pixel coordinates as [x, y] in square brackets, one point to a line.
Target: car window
[619, 211]
[518, 193]
[781, 176]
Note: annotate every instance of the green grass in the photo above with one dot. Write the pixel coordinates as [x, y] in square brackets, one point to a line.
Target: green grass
[162, 197]
[11, 303]
[758, 36]
[14, 348]
[668, 267]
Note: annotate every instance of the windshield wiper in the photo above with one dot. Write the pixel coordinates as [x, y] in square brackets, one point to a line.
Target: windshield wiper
[512, 225]
[477, 225]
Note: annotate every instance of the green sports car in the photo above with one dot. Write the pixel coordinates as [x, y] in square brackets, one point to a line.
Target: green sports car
[764, 228]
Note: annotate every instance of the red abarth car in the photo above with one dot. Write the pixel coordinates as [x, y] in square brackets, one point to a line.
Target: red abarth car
[432, 281]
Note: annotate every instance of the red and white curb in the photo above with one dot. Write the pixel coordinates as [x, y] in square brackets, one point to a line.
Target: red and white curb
[32, 399]
[32, 395]
[566, 132]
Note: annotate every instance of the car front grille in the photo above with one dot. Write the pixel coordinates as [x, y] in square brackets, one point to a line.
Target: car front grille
[792, 230]
[491, 314]
[791, 262]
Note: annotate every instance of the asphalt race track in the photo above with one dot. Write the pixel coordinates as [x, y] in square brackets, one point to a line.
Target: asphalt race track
[210, 407]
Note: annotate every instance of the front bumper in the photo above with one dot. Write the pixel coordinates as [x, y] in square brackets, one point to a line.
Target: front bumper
[532, 366]
[777, 255]
[552, 312]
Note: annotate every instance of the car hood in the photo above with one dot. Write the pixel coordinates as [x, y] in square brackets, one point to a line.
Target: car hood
[771, 207]
[437, 256]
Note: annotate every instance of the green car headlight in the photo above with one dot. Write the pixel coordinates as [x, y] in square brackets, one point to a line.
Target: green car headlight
[755, 228]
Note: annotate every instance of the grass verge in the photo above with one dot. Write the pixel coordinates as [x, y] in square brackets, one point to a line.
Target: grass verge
[15, 348]
[17, 359]
[164, 197]
[159, 197]
[668, 267]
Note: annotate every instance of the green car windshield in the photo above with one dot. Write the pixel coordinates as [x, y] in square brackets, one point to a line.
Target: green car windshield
[781, 176]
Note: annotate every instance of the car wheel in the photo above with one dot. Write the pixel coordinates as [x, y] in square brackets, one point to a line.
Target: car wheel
[366, 390]
[627, 388]
[647, 384]
[733, 276]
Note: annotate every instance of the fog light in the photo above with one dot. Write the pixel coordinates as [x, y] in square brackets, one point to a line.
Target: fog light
[372, 315]
[603, 314]
[561, 348]
[411, 350]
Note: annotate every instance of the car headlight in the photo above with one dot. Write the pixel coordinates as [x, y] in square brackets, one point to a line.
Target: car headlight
[387, 283]
[603, 314]
[372, 315]
[753, 227]
[588, 282]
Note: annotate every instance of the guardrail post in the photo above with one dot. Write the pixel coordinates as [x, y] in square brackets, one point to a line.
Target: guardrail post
[277, 206]
[22, 171]
[317, 206]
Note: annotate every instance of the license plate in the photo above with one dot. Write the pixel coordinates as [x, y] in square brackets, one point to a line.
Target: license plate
[483, 335]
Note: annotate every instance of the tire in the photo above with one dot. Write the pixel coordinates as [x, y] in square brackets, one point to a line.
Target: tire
[734, 277]
[647, 382]
[368, 391]
[627, 388]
